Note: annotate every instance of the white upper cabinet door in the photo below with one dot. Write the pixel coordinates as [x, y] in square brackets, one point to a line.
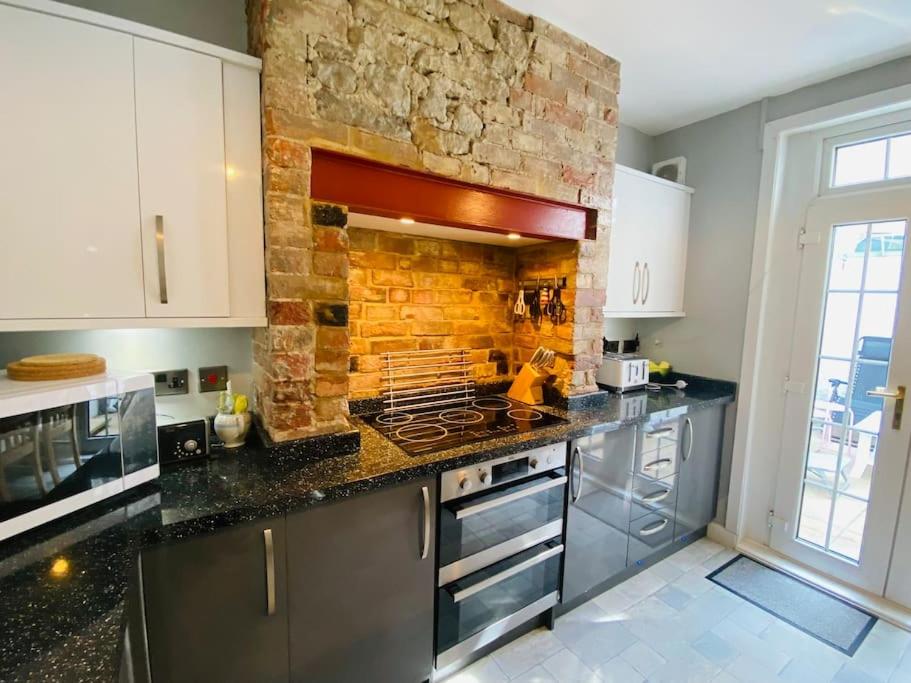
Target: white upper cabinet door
[181, 144]
[665, 257]
[243, 163]
[625, 261]
[69, 210]
[647, 257]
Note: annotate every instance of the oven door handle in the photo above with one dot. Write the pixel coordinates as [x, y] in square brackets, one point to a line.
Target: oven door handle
[460, 595]
[464, 512]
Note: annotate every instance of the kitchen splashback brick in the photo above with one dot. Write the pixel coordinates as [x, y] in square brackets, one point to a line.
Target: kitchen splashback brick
[470, 89]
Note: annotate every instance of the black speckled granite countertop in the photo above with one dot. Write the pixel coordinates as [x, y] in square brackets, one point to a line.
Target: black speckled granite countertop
[63, 585]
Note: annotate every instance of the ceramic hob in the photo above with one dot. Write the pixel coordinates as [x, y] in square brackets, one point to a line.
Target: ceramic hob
[487, 417]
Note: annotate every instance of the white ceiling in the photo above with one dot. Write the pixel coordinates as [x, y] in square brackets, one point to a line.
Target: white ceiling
[684, 61]
[444, 232]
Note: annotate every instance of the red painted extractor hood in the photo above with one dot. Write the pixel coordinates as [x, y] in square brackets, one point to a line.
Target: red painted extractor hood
[369, 187]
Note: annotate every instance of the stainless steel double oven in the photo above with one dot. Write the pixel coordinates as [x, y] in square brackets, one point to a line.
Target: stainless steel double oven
[500, 548]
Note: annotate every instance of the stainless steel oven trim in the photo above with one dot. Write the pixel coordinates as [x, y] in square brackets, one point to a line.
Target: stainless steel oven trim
[468, 565]
[449, 480]
[472, 510]
[454, 655]
[464, 594]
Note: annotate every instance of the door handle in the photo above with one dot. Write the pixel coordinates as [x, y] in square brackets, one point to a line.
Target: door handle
[653, 529]
[425, 515]
[661, 431]
[159, 249]
[460, 595]
[270, 572]
[577, 453]
[647, 282]
[637, 282]
[689, 448]
[899, 396]
[657, 496]
[550, 483]
[656, 464]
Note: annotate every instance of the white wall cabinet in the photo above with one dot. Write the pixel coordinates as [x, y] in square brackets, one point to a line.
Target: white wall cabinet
[69, 210]
[130, 182]
[181, 146]
[647, 261]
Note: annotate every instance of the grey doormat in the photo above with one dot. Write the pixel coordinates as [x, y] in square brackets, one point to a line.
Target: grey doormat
[823, 616]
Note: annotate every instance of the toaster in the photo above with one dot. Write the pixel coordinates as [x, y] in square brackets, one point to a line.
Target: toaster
[623, 371]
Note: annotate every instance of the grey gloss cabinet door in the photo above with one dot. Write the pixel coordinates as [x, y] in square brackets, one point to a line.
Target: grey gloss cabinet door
[361, 587]
[207, 606]
[699, 469]
[598, 514]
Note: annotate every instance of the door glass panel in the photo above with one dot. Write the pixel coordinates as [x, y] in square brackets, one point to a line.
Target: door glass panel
[864, 162]
[855, 348]
[847, 269]
[900, 157]
[841, 316]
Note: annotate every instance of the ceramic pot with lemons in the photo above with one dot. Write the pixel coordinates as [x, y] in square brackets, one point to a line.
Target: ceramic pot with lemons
[232, 423]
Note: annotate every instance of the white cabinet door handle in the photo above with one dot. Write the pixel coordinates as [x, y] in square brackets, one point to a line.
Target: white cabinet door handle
[159, 248]
[637, 282]
[647, 282]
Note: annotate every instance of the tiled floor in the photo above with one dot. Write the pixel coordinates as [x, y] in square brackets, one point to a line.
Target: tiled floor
[670, 624]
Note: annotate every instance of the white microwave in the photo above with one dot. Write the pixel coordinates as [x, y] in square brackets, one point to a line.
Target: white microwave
[67, 444]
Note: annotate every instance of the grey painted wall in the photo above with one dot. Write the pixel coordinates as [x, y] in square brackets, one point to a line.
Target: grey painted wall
[723, 162]
[635, 149]
[222, 22]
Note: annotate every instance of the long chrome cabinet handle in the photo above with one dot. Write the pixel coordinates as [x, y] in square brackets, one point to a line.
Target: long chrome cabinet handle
[656, 497]
[578, 455]
[162, 270]
[637, 282]
[459, 596]
[270, 572]
[653, 529]
[655, 464]
[661, 431]
[425, 509]
[689, 447]
[646, 282]
[509, 498]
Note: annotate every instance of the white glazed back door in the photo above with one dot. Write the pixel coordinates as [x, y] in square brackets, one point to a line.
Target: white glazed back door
[180, 126]
[69, 208]
[844, 451]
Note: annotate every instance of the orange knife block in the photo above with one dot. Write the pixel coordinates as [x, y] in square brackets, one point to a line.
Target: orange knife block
[526, 388]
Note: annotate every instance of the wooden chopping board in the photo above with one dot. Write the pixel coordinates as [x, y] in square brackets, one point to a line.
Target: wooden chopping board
[55, 366]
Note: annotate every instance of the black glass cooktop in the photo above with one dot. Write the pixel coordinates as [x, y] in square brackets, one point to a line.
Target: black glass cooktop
[476, 419]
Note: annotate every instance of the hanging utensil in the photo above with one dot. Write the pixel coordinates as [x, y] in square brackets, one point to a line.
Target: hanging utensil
[557, 310]
[519, 308]
[536, 305]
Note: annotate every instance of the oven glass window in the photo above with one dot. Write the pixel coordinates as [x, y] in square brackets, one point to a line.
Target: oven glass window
[463, 612]
[464, 532]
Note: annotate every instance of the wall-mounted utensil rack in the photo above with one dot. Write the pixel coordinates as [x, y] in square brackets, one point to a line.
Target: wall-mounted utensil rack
[540, 282]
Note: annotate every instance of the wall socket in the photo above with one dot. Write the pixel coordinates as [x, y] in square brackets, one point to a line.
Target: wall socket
[171, 382]
[213, 378]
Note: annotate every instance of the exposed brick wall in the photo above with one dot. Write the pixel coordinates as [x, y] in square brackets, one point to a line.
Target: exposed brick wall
[465, 88]
[412, 293]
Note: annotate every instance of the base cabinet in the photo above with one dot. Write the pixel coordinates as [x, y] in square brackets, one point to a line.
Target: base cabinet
[207, 606]
[634, 493]
[598, 511]
[699, 468]
[361, 587]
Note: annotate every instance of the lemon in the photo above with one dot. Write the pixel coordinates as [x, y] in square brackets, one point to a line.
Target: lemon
[240, 404]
